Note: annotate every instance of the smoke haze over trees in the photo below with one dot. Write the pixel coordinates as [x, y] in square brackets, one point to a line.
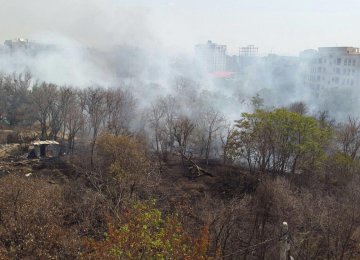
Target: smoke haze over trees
[122, 46]
[158, 158]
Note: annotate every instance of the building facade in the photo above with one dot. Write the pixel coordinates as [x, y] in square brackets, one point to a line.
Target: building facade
[247, 56]
[17, 44]
[23, 46]
[331, 67]
[212, 55]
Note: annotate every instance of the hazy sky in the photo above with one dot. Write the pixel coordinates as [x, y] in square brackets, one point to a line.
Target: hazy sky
[278, 26]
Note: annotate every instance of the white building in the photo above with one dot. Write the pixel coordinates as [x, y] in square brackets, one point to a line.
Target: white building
[19, 43]
[212, 55]
[248, 51]
[331, 67]
[248, 56]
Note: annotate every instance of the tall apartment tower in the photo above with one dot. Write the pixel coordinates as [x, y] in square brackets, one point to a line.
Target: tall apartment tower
[213, 55]
[248, 51]
[332, 67]
[247, 56]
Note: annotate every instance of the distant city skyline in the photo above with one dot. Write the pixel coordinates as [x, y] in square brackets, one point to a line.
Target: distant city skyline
[279, 26]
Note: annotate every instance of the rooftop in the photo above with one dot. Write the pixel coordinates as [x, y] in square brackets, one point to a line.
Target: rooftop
[340, 50]
[47, 142]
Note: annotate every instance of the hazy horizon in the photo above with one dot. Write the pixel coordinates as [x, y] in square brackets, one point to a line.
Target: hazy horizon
[280, 27]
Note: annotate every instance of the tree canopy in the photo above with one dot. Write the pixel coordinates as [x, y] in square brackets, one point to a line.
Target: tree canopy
[279, 141]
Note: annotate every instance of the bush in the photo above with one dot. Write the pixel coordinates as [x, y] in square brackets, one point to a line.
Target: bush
[31, 220]
[144, 233]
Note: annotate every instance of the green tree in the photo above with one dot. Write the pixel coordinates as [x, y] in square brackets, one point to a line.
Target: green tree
[145, 234]
[279, 140]
[257, 101]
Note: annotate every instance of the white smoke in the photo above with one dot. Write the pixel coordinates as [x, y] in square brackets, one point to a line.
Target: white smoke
[117, 44]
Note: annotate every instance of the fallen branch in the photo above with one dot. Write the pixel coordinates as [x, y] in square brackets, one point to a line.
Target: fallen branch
[195, 170]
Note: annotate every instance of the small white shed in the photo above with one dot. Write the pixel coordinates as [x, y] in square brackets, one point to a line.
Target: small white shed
[46, 148]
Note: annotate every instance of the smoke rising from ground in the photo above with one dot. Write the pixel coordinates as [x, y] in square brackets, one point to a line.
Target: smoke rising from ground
[111, 44]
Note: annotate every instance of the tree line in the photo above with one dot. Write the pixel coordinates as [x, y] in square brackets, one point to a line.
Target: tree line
[120, 201]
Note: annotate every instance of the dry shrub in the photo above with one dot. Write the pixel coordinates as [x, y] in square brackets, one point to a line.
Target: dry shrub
[86, 210]
[4, 136]
[322, 226]
[124, 156]
[31, 220]
[124, 171]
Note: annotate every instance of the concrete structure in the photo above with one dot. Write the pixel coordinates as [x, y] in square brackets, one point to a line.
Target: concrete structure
[16, 44]
[249, 51]
[44, 149]
[212, 55]
[283, 71]
[331, 67]
[247, 56]
[232, 63]
[24, 46]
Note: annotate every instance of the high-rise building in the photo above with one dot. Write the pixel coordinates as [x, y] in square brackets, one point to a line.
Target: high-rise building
[24, 46]
[248, 51]
[331, 67]
[247, 56]
[16, 44]
[212, 55]
[232, 63]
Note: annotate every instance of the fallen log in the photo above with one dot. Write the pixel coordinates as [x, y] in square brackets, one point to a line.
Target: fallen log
[195, 170]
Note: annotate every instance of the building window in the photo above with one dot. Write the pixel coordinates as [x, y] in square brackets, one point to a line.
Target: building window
[338, 61]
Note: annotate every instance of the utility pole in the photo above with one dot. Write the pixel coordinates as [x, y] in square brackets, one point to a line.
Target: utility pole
[285, 243]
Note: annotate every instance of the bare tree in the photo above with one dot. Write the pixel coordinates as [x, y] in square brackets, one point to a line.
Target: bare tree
[15, 100]
[348, 137]
[182, 129]
[95, 107]
[225, 138]
[74, 120]
[120, 110]
[65, 97]
[298, 107]
[156, 117]
[3, 97]
[43, 98]
[56, 116]
[213, 121]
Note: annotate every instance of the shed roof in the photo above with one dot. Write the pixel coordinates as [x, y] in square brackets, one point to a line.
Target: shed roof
[47, 142]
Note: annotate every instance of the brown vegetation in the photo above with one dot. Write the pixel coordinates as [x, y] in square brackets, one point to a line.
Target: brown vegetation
[124, 192]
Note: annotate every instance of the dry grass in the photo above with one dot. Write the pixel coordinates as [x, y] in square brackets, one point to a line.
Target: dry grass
[4, 135]
[8, 149]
